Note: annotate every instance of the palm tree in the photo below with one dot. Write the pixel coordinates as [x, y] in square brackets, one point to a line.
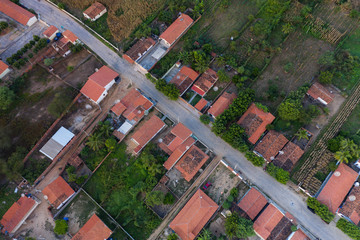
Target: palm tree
[302, 134]
[205, 235]
[105, 128]
[95, 141]
[342, 156]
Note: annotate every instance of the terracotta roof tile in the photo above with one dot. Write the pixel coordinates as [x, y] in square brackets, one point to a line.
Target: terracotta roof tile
[147, 131]
[267, 221]
[299, 235]
[94, 228]
[16, 12]
[191, 162]
[75, 161]
[3, 67]
[104, 76]
[178, 152]
[222, 103]
[317, 91]
[92, 90]
[184, 78]
[201, 104]
[118, 108]
[177, 28]
[181, 131]
[337, 187]
[252, 203]
[58, 191]
[205, 82]
[50, 31]
[194, 216]
[270, 145]
[70, 36]
[95, 9]
[254, 121]
[139, 48]
[351, 207]
[291, 153]
[16, 213]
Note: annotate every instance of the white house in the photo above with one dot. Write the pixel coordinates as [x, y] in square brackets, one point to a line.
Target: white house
[50, 32]
[4, 69]
[95, 11]
[17, 13]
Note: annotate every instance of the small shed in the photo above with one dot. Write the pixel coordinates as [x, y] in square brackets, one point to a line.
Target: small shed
[56, 143]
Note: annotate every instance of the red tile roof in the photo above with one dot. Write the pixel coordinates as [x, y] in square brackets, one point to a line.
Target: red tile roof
[205, 82]
[253, 203]
[201, 104]
[177, 28]
[299, 235]
[147, 131]
[58, 191]
[337, 187]
[70, 36]
[222, 103]
[181, 131]
[50, 31]
[92, 90]
[16, 12]
[255, 121]
[194, 216]
[94, 228]
[317, 91]
[104, 76]
[191, 162]
[139, 48]
[3, 67]
[184, 78]
[270, 145]
[288, 156]
[178, 152]
[132, 106]
[95, 9]
[351, 207]
[16, 213]
[267, 221]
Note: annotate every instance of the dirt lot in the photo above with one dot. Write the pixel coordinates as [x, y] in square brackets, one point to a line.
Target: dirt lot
[296, 65]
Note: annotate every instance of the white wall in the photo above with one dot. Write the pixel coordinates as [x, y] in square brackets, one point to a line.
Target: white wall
[109, 85]
[102, 97]
[31, 21]
[4, 73]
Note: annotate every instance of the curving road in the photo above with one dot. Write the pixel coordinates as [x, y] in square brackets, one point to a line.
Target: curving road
[283, 195]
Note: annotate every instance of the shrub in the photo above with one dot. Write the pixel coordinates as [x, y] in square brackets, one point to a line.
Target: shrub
[278, 173]
[234, 192]
[155, 198]
[223, 77]
[326, 77]
[62, 6]
[3, 25]
[293, 228]
[169, 90]
[348, 228]
[79, 181]
[36, 38]
[332, 166]
[61, 227]
[76, 48]
[32, 42]
[7, 97]
[150, 77]
[262, 107]
[48, 61]
[70, 68]
[172, 236]
[205, 119]
[320, 209]
[238, 227]
[290, 110]
[31, 55]
[354, 14]
[230, 198]
[226, 205]
[169, 199]
[334, 144]
[254, 159]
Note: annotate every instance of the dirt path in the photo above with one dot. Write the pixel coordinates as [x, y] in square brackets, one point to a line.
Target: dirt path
[188, 194]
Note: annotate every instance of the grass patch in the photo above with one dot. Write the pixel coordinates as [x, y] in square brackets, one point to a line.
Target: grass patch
[196, 99]
[7, 198]
[352, 44]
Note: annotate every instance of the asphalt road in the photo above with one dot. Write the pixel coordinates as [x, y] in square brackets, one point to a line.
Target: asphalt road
[285, 197]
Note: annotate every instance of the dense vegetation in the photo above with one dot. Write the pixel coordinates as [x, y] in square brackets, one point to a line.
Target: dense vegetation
[320, 209]
[278, 173]
[238, 227]
[348, 228]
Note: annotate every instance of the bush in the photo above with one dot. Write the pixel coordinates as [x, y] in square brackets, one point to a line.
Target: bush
[61, 227]
[70, 68]
[278, 173]
[348, 228]
[334, 144]
[169, 199]
[31, 55]
[230, 198]
[155, 198]
[205, 119]
[76, 48]
[254, 159]
[48, 61]
[320, 209]
[293, 228]
[326, 77]
[290, 110]
[79, 181]
[172, 236]
[169, 90]
[226, 205]
[332, 166]
[354, 14]
[234, 192]
[62, 6]
[7, 97]
[36, 38]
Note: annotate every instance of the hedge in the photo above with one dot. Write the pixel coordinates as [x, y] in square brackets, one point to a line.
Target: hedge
[278, 173]
[320, 209]
[348, 228]
[254, 159]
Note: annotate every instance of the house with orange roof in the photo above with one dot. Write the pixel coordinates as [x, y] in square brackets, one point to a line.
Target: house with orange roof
[139, 49]
[99, 83]
[205, 82]
[194, 216]
[298, 235]
[146, 133]
[270, 145]
[191, 162]
[253, 203]
[4, 69]
[95, 11]
[70, 37]
[94, 228]
[184, 78]
[50, 32]
[176, 30]
[63, 44]
[16, 12]
[320, 93]
[221, 104]
[288, 156]
[58, 192]
[337, 187]
[350, 209]
[254, 121]
[201, 105]
[17, 214]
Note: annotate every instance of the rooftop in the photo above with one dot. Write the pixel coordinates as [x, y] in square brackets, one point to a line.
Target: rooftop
[194, 215]
[222, 103]
[184, 78]
[201, 104]
[16, 12]
[270, 145]
[58, 191]
[317, 91]
[299, 235]
[351, 207]
[139, 48]
[95, 9]
[267, 221]
[16, 213]
[50, 31]
[254, 121]
[205, 82]
[289, 156]
[177, 28]
[191, 162]
[178, 152]
[70, 36]
[94, 228]
[92, 90]
[337, 187]
[3, 67]
[104, 76]
[252, 203]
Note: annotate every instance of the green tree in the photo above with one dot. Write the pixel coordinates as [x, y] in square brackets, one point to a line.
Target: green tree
[105, 128]
[95, 141]
[238, 227]
[7, 97]
[302, 134]
[327, 59]
[110, 144]
[15, 163]
[290, 110]
[201, 61]
[342, 156]
[348, 228]
[223, 77]
[205, 119]
[48, 61]
[155, 198]
[205, 235]
[169, 199]
[326, 77]
[172, 236]
[287, 28]
[61, 227]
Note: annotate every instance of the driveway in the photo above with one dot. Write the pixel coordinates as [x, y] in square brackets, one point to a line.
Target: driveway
[281, 194]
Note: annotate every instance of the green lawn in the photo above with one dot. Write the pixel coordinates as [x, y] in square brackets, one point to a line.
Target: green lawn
[7, 198]
[351, 127]
[352, 44]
